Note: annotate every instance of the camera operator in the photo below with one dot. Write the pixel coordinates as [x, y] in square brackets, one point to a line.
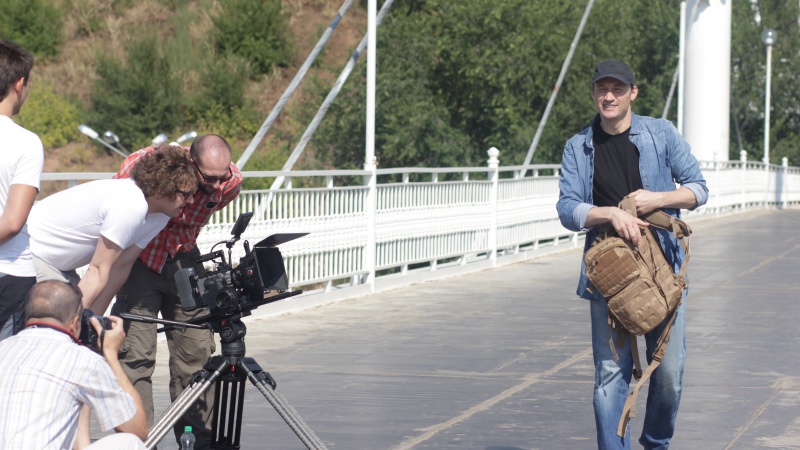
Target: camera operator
[107, 223]
[48, 377]
[151, 287]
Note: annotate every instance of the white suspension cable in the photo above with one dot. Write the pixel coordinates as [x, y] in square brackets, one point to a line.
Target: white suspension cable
[292, 86]
[560, 80]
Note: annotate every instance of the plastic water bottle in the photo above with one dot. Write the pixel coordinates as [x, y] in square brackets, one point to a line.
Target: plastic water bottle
[187, 439]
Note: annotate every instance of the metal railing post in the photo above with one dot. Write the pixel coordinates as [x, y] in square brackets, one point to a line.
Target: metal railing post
[370, 210]
[717, 206]
[784, 179]
[743, 159]
[494, 164]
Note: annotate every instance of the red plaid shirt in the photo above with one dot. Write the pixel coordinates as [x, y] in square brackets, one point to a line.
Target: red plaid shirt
[180, 234]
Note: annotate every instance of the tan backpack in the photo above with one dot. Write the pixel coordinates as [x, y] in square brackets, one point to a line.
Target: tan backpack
[640, 286]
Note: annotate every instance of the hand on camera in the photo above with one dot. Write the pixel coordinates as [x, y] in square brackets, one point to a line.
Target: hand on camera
[111, 338]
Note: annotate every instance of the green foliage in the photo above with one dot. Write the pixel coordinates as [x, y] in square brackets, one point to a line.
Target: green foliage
[413, 124]
[456, 78]
[34, 24]
[219, 105]
[140, 98]
[53, 118]
[748, 81]
[223, 79]
[255, 30]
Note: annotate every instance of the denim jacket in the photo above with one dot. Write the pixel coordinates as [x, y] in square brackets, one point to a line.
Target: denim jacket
[664, 160]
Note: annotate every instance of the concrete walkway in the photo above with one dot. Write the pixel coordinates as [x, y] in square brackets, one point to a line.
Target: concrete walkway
[501, 359]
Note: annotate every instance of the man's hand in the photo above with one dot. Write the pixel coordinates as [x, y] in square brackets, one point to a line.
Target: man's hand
[647, 201]
[627, 226]
[112, 339]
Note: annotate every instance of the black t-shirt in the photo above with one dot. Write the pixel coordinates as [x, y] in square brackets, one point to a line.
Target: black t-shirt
[616, 167]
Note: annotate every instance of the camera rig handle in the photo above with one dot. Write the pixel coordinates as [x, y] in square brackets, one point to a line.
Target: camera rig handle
[168, 324]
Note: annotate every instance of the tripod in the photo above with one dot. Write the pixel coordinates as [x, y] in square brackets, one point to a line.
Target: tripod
[228, 373]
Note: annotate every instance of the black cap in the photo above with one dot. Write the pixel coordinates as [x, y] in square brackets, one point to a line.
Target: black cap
[614, 69]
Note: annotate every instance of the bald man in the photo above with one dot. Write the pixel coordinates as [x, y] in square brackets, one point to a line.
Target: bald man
[150, 288]
[49, 377]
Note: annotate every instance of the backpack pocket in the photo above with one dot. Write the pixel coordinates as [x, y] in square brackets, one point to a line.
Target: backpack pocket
[611, 265]
[639, 307]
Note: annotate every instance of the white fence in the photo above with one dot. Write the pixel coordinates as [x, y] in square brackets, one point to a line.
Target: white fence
[418, 224]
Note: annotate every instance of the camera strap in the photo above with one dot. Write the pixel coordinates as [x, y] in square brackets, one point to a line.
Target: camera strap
[53, 327]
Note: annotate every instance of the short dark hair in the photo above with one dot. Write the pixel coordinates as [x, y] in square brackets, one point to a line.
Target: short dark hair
[205, 143]
[15, 62]
[55, 300]
[164, 171]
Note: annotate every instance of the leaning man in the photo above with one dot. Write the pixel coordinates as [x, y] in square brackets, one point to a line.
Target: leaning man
[151, 288]
[105, 224]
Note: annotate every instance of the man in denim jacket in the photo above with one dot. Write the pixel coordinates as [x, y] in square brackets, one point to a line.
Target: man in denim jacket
[619, 154]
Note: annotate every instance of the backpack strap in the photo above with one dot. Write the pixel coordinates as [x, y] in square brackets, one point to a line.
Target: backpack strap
[622, 336]
[629, 410]
[660, 219]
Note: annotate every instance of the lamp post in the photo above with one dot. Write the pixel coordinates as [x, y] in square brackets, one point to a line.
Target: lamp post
[94, 136]
[113, 139]
[768, 36]
[162, 138]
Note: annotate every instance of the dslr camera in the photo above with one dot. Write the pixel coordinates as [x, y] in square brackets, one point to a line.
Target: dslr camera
[88, 335]
[230, 290]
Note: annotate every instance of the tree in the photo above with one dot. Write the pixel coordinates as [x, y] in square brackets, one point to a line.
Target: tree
[140, 98]
[34, 24]
[748, 79]
[456, 78]
[255, 30]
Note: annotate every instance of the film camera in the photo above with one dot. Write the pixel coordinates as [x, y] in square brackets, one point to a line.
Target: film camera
[229, 290]
[88, 335]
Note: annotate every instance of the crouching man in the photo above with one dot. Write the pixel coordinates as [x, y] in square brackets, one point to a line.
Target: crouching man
[48, 376]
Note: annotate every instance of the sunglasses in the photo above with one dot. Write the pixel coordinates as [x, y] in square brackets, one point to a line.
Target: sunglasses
[212, 180]
[184, 194]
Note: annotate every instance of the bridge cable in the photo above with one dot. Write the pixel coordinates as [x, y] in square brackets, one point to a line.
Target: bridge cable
[560, 80]
[292, 86]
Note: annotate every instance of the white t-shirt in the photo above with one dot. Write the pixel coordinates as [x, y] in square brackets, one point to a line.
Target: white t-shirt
[21, 161]
[64, 228]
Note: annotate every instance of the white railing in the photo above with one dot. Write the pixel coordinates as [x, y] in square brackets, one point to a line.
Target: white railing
[431, 222]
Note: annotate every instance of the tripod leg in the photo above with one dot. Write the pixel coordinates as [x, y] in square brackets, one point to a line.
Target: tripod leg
[266, 385]
[201, 382]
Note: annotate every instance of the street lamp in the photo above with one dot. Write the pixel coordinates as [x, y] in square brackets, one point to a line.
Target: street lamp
[162, 138]
[768, 37]
[113, 139]
[186, 137]
[94, 136]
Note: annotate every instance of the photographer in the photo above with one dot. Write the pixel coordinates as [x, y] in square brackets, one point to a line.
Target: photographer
[49, 376]
[151, 287]
[107, 223]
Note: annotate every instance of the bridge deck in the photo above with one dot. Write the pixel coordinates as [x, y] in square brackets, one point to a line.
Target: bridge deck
[501, 359]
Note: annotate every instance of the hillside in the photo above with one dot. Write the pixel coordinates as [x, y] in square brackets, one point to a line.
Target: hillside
[96, 27]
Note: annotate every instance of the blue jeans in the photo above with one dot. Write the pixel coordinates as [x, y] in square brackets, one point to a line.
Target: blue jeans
[612, 379]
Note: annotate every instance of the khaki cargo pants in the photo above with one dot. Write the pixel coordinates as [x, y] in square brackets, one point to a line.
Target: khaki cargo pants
[149, 293]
